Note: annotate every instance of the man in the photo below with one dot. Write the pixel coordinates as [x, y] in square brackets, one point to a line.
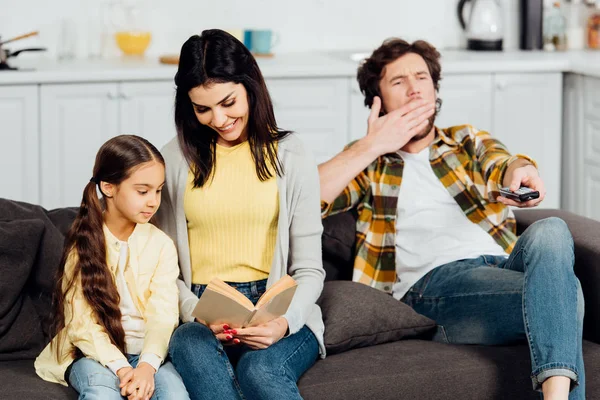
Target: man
[434, 232]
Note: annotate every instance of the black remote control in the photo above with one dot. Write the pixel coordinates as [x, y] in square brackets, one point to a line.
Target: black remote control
[521, 195]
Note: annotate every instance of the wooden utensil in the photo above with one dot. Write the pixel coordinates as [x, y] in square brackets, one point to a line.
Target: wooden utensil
[169, 59]
[34, 33]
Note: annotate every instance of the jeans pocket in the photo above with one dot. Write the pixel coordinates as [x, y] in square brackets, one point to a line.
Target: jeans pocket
[107, 380]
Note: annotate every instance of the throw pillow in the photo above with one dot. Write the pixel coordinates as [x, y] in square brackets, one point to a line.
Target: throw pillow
[356, 315]
[21, 334]
[339, 236]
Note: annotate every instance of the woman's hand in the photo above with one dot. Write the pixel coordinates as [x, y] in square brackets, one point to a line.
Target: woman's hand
[138, 383]
[263, 336]
[224, 333]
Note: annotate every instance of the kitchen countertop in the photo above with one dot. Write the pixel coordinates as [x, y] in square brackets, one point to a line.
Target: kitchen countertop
[295, 65]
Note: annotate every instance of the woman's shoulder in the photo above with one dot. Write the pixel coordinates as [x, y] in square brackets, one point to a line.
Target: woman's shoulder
[293, 150]
[172, 151]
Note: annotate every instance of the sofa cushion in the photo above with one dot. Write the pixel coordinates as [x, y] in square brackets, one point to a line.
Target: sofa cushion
[20, 331]
[18, 380]
[356, 315]
[425, 370]
[339, 236]
[41, 285]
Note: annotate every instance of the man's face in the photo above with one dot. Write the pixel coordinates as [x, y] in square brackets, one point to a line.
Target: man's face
[404, 80]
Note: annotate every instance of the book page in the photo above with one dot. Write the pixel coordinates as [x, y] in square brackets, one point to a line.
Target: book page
[275, 308]
[221, 287]
[216, 308]
[278, 287]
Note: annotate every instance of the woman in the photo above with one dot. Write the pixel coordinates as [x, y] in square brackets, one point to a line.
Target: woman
[242, 204]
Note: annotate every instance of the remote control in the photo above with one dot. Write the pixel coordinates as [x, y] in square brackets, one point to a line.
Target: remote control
[521, 195]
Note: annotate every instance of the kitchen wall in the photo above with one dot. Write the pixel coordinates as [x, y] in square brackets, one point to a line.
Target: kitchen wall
[303, 25]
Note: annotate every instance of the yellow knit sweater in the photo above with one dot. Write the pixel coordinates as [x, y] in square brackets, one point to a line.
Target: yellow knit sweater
[232, 220]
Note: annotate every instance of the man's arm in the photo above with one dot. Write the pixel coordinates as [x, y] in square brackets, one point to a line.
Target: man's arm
[336, 174]
[500, 168]
[386, 134]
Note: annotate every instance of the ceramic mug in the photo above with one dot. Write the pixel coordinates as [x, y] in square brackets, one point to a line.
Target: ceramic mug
[262, 41]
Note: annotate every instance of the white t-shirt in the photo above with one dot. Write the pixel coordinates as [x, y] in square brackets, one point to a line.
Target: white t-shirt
[431, 228]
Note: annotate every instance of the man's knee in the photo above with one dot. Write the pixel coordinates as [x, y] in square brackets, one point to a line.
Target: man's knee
[551, 235]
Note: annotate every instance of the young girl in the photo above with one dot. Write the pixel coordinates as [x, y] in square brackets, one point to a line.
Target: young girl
[116, 295]
[242, 204]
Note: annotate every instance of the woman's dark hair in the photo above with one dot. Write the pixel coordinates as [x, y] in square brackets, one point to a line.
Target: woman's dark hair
[218, 57]
[116, 160]
[372, 69]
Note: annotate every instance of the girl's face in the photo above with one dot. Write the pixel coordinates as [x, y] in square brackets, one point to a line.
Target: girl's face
[224, 108]
[137, 198]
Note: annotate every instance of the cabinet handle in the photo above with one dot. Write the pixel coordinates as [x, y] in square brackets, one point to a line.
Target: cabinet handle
[123, 96]
[110, 96]
[501, 85]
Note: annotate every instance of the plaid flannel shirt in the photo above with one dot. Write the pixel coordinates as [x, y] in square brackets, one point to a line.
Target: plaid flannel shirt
[469, 163]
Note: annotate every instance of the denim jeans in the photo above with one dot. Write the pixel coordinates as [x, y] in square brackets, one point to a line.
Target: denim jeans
[94, 381]
[532, 295]
[213, 371]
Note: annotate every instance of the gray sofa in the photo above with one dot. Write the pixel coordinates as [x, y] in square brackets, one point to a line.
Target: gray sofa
[412, 368]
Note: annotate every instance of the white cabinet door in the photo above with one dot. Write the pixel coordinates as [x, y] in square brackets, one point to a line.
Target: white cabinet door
[317, 109]
[147, 110]
[528, 120]
[76, 119]
[466, 99]
[590, 148]
[19, 143]
[573, 149]
[359, 113]
[591, 191]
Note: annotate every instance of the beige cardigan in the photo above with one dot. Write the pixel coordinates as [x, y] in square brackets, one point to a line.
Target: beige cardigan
[298, 247]
[151, 275]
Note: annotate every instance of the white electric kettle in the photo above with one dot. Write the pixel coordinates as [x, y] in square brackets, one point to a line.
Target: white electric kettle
[484, 27]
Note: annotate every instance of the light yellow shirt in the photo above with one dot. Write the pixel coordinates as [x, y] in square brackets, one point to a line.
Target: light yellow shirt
[151, 276]
[232, 220]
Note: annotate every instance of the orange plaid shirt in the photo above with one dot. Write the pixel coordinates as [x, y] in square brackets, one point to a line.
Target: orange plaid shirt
[469, 163]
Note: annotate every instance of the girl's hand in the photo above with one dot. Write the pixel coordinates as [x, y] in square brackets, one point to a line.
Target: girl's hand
[139, 382]
[124, 376]
[263, 336]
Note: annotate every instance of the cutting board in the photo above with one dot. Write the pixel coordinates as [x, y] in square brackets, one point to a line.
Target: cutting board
[174, 58]
[169, 59]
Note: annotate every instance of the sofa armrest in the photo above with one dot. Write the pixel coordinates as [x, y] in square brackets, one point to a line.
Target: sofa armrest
[586, 235]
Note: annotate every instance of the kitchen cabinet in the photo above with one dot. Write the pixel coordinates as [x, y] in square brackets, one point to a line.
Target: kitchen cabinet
[581, 150]
[56, 129]
[524, 111]
[317, 109]
[76, 119]
[19, 136]
[146, 109]
[527, 118]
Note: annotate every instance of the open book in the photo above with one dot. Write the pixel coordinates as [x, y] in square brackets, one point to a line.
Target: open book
[223, 304]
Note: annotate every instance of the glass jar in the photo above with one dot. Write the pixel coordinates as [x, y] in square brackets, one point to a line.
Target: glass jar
[130, 26]
[593, 29]
[555, 29]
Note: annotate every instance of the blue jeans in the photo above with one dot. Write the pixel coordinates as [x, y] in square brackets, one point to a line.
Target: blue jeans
[94, 381]
[532, 295]
[213, 371]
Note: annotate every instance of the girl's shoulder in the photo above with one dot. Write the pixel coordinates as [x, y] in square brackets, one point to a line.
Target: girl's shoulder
[153, 232]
